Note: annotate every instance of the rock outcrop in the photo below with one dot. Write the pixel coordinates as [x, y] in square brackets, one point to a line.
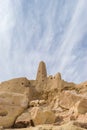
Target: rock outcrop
[13, 100]
[41, 116]
[48, 103]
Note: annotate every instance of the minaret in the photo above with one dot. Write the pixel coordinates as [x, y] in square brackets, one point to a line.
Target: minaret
[41, 73]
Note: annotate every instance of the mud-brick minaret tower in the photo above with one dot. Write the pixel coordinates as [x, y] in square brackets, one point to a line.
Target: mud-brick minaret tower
[42, 72]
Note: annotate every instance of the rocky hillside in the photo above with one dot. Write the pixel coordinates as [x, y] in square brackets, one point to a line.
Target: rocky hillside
[47, 103]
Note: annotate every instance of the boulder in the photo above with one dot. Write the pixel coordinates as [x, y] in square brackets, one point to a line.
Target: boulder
[40, 116]
[24, 120]
[13, 100]
[68, 99]
[24, 117]
[11, 105]
[82, 106]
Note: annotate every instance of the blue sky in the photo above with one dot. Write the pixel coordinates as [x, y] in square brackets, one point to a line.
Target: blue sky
[54, 31]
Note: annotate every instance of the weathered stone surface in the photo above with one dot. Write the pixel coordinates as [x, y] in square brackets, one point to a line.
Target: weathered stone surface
[68, 99]
[35, 103]
[17, 85]
[11, 105]
[13, 100]
[47, 100]
[24, 120]
[41, 116]
[82, 118]
[24, 117]
[82, 106]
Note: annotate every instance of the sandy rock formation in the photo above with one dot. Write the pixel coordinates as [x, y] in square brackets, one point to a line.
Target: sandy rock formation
[37, 115]
[82, 118]
[13, 100]
[69, 98]
[41, 116]
[23, 120]
[75, 103]
[47, 103]
[82, 106]
[17, 85]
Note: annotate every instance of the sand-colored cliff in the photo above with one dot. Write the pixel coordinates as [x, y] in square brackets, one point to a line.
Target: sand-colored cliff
[47, 103]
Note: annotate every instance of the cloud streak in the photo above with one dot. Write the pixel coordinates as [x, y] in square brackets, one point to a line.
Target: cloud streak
[55, 32]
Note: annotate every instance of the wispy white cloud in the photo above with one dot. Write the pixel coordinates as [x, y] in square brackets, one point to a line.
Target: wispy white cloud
[54, 32]
[75, 32]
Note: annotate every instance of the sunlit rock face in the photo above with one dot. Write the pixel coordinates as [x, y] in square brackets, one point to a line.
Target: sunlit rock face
[13, 100]
[48, 101]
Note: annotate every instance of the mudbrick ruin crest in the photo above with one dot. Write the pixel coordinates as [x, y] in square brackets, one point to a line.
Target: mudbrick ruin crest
[47, 103]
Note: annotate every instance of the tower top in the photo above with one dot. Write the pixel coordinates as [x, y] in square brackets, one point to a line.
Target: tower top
[42, 72]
